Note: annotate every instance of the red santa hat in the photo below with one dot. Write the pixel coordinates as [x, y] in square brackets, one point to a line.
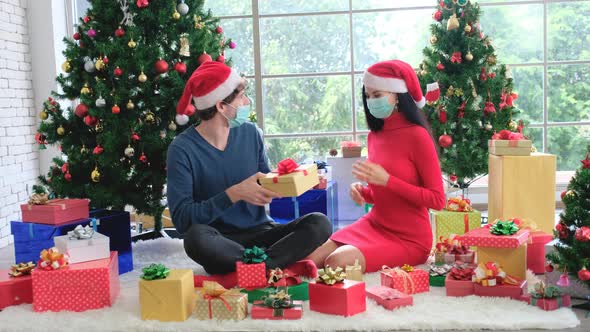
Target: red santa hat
[211, 82]
[394, 76]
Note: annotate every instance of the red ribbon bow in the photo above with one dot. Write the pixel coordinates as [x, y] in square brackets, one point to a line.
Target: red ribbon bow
[286, 166]
[456, 57]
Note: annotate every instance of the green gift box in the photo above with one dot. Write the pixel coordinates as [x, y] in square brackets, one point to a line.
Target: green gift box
[297, 292]
[437, 281]
[444, 223]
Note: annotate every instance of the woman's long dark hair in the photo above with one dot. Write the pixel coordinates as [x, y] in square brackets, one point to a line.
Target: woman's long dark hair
[408, 107]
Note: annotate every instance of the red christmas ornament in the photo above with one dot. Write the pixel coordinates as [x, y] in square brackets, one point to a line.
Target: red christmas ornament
[98, 150]
[105, 60]
[135, 137]
[453, 178]
[64, 168]
[442, 115]
[437, 16]
[204, 58]
[563, 194]
[483, 76]
[86, 19]
[142, 3]
[120, 32]
[461, 110]
[219, 30]
[68, 177]
[440, 67]
[143, 158]
[583, 234]
[116, 109]
[445, 141]
[180, 68]
[489, 108]
[491, 75]
[81, 110]
[190, 110]
[549, 267]
[81, 44]
[161, 66]
[564, 280]
[90, 120]
[118, 71]
[77, 36]
[562, 230]
[220, 58]
[586, 162]
[584, 274]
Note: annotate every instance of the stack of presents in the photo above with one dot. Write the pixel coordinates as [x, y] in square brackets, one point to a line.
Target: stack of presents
[61, 246]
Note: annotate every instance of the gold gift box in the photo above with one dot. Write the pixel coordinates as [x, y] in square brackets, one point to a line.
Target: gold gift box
[512, 260]
[292, 184]
[168, 300]
[216, 302]
[501, 147]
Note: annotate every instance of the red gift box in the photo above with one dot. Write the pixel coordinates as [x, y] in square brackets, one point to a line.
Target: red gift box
[459, 287]
[469, 257]
[535, 252]
[511, 291]
[389, 298]
[550, 304]
[260, 311]
[409, 283]
[56, 211]
[15, 291]
[251, 276]
[482, 237]
[346, 298]
[77, 287]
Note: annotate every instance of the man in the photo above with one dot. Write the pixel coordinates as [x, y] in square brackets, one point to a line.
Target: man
[213, 192]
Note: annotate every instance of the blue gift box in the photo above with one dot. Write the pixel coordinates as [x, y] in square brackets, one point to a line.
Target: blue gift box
[30, 238]
[316, 200]
[117, 226]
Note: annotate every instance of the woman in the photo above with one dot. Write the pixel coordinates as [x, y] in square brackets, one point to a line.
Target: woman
[403, 176]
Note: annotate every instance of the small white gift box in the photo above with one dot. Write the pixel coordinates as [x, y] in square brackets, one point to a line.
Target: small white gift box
[83, 245]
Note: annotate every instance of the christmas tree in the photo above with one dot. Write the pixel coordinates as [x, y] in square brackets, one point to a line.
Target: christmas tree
[469, 95]
[126, 68]
[572, 253]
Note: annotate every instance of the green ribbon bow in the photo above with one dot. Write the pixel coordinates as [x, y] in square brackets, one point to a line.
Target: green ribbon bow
[254, 256]
[545, 292]
[155, 271]
[331, 276]
[278, 300]
[504, 228]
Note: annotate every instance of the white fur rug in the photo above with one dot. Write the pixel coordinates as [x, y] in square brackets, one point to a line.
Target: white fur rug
[431, 311]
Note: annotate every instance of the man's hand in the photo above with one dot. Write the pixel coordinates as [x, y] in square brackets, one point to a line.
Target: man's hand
[251, 192]
[355, 193]
[370, 172]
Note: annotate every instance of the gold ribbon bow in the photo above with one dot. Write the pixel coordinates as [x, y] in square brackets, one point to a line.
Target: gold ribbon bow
[21, 269]
[214, 291]
[407, 280]
[52, 259]
[38, 199]
[330, 276]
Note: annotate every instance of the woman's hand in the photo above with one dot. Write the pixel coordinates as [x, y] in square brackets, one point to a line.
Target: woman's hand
[355, 193]
[370, 172]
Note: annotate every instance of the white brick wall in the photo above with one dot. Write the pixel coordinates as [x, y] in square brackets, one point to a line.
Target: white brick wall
[19, 156]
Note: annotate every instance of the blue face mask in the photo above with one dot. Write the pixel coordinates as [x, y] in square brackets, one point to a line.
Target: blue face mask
[380, 107]
[242, 115]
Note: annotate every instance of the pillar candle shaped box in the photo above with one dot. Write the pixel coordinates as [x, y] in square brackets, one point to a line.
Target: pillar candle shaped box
[504, 147]
[82, 250]
[55, 211]
[216, 302]
[346, 298]
[524, 187]
[389, 298]
[251, 275]
[535, 255]
[116, 225]
[30, 238]
[445, 223]
[501, 290]
[294, 310]
[294, 183]
[413, 282]
[507, 250]
[15, 290]
[171, 299]
[77, 287]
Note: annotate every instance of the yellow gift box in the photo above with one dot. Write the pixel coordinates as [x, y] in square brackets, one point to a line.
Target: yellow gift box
[216, 302]
[444, 223]
[293, 184]
[500, 147]
[512, 260]
[354, 272]
[170, 299]
[523, 187]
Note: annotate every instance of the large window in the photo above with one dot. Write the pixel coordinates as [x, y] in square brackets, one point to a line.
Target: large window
[306, 60]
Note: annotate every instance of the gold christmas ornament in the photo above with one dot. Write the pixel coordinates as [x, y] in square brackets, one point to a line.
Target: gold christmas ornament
[468, 56]
[43, 115]
[129, 151]
[176, 15]
[450, 91]
[184, 45]
[150, 118]
[66, 66]
[488, 126]
[458, 92]
[512, 125]
[131, 43]
[570, 194]
[172, 126]
[98, 128]
[61, 131]
[198, 23]
[533, 149]
[85, 89]
[142, 77]
[423, 72]
[433, 40]
[84, 149]
[130, 105]
[99, 64]
[95, 175]
[492, 60]
[452, 23]
[467, 28]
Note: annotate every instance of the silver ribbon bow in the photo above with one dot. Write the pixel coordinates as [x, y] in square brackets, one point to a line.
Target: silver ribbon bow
[81, 233]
